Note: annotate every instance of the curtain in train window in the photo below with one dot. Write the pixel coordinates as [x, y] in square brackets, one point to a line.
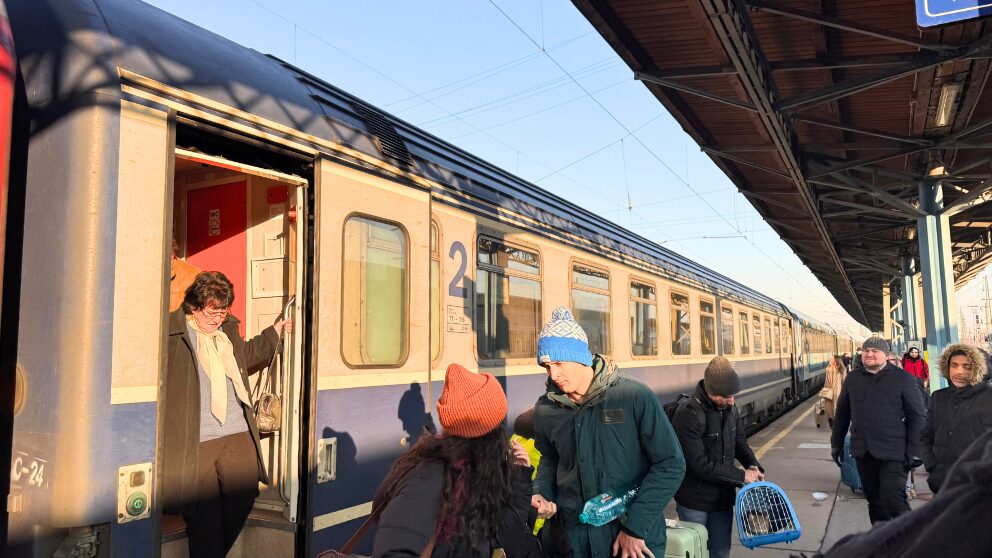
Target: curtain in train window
[375, 297]
[507, 301]
[591, 305]
[778, 337]
[757, 334]
[707, 323]
[727, 335]
[680, 324]
[435, 293]
[745, 334]
[768, 336]
[643, 320]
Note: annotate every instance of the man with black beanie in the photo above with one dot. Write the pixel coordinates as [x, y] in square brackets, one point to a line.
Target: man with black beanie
[712, 436]
[883, 406]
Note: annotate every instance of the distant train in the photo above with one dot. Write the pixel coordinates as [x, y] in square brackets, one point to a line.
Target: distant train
[132, 127]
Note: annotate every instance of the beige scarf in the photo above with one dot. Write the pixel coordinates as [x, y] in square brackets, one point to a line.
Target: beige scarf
[216, 355]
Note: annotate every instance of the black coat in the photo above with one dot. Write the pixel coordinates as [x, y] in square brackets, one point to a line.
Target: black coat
[956, 418]
[711, 439]
[180, 407]
[885, 412]
[409, 519]
[950, 525]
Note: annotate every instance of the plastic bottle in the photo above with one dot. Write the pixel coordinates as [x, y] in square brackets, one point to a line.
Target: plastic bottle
[606, 507]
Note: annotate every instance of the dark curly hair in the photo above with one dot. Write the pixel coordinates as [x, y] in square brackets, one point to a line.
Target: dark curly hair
[209, 286]
[477, 482]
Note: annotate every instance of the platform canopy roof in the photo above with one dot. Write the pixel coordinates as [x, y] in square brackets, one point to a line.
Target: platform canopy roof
[828, 115]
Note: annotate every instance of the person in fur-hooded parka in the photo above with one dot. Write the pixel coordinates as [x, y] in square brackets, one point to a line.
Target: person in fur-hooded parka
[959, 414]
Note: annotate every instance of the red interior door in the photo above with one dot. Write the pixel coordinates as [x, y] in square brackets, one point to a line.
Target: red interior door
[216, 237]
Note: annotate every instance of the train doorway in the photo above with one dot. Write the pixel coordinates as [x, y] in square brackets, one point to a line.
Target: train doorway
[242, 220]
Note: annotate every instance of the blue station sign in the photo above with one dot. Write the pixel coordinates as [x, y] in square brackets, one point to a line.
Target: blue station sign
[939, 12]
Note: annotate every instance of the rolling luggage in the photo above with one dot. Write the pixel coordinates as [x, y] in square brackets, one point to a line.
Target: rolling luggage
[849, 470]
[819, 413]
[686, 540]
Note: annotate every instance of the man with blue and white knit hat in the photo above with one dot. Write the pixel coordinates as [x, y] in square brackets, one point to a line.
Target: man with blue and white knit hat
[598, 432]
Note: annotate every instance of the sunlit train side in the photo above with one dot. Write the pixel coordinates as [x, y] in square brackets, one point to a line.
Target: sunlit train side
[403, 254]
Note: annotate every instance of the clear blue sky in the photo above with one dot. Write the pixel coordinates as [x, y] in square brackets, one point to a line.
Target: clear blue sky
[465, 72]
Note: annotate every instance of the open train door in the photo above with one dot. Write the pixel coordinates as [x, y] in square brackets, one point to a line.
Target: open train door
[371, 339]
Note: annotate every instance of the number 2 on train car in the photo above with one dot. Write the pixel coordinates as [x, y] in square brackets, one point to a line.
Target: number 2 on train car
[454, 288]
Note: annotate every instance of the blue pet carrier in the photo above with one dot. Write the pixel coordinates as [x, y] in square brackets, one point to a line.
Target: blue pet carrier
[765, 516]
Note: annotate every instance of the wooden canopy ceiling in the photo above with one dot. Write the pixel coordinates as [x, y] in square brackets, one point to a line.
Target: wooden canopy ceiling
[827, 115]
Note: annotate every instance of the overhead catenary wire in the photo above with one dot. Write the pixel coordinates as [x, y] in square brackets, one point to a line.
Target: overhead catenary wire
[643, 145]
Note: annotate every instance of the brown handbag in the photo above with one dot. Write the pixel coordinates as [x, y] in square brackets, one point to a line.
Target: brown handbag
[267, 403]
[345, 551]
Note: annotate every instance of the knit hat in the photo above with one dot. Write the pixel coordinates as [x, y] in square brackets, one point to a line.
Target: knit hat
[471, 405]
[563, 340]
[876, 343]
[720, 378]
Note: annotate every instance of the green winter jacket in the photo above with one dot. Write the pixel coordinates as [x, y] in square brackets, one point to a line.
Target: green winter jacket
[617, 439]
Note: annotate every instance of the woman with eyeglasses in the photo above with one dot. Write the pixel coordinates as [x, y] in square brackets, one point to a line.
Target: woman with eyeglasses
[211, 458]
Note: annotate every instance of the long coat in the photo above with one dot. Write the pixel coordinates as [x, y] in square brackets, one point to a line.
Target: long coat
[885, 412]
[617, 439]
[711, 440]
[180, 406]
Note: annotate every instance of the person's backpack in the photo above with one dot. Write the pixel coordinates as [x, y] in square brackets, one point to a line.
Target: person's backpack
[672, 406]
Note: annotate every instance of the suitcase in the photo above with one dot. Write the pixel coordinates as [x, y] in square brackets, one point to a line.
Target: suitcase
[819, 413]
[849, 470]
[686, 540]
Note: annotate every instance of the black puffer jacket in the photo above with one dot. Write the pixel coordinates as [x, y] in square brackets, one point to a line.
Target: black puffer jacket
[711, 439]
[884, 412]
[410, 518]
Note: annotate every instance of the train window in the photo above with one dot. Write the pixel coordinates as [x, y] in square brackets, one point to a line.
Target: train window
[680, 324]
[435, 293]
[778, 337]
[757, 333]
[727, 325]
[707, 323]
[507, 301]
[375, 293]
[745, 334]
[591, 304]
[643, 320]
[768, 336]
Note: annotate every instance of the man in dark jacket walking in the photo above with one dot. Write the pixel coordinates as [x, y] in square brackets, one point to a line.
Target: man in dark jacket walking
[883, 406]
[712, 436]
[959, 414]
[600, 432]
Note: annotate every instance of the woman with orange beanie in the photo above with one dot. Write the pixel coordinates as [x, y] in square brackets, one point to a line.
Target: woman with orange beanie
[462, 493]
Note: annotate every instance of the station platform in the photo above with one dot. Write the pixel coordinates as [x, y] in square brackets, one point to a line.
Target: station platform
[796, 456]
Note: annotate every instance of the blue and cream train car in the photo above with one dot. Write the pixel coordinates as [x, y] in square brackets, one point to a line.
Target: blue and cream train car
[402, 252]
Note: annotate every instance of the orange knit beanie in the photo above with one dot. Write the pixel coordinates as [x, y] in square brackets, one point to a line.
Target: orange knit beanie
[471, 405]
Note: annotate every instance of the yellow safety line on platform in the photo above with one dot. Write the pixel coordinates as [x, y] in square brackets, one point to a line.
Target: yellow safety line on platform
[771, 443]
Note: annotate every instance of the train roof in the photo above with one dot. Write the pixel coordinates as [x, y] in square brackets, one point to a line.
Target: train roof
[72, 52]
[810, 321]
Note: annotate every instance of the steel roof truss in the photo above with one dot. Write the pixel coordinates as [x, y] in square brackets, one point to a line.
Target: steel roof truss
[864, 83]
[837, 23]
[651, 78]
[881, 194]
[889, 212]
[858, 130]
[746, 162]
[973, 198]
